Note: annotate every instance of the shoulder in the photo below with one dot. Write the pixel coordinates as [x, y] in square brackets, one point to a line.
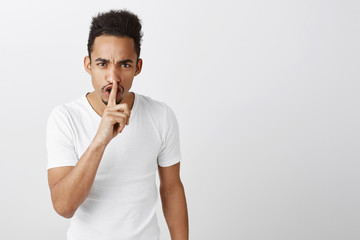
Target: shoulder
[66, 110]
[149, 104]
[158, 110]
[67, 114]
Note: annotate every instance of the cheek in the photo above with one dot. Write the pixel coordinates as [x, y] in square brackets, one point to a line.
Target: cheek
[128, 75]
[97, 80]
[97, 75]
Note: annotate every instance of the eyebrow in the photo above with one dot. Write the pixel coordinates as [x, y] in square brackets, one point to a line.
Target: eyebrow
[107, 61]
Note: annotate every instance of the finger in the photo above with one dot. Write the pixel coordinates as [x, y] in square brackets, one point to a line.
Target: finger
[116, 114]
[119, 125]
[113, 93]
[117, 118]
[120, 128]
[112, 112]
[127, 110]
[123, 107]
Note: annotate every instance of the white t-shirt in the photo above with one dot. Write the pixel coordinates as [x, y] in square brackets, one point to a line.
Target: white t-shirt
[123, 198]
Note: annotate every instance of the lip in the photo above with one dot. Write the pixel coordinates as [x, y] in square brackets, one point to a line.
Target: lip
[120, 89]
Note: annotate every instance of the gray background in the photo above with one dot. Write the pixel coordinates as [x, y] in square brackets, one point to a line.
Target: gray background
[266, 94]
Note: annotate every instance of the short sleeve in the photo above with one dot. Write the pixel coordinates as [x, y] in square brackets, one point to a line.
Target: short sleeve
[170, 149]
[59, 140]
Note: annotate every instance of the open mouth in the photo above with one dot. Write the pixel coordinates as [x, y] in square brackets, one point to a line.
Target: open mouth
[108, 89]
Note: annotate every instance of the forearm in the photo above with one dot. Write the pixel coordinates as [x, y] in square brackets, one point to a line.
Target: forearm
[69, 192]
[175, 212]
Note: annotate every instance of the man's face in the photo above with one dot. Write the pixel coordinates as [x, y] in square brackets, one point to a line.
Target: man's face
[112, 59]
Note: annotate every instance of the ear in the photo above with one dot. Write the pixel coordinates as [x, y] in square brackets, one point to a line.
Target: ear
[138, 67]
[87, 64]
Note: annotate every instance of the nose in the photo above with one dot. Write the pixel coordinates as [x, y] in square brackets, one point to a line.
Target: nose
[113, 74]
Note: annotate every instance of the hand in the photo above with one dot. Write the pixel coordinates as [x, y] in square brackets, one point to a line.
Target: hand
[114, 119]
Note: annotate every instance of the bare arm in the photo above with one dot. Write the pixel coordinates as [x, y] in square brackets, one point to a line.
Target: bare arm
[174, 202]
[70, 185]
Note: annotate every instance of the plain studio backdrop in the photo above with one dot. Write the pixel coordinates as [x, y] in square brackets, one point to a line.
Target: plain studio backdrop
[266, 94]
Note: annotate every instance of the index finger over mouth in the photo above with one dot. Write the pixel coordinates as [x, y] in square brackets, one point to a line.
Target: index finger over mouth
[113, 93]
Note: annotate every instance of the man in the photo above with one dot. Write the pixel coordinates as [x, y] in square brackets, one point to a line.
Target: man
[104, 148]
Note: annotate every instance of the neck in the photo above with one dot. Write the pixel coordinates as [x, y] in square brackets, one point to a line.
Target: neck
[98, 105]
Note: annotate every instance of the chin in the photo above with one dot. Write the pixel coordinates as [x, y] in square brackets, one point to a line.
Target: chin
[106, 102]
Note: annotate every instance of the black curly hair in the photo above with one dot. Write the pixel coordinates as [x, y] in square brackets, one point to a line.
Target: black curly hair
[119, 23]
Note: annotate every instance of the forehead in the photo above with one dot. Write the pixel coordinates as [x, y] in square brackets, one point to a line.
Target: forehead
[113, 48]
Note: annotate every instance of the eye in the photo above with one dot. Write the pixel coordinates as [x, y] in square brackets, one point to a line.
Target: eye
[125, 65]
[101, 64]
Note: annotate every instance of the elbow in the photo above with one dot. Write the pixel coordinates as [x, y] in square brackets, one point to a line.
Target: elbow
[62, 206]
[65, 214]
[64, 210]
